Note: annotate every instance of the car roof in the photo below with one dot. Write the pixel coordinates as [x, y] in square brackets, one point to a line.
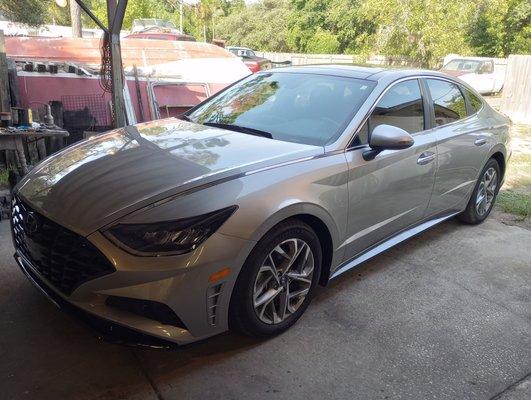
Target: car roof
[360, 72]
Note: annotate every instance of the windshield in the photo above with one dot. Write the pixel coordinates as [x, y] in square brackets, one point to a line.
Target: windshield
[294, 107]
[462, 65]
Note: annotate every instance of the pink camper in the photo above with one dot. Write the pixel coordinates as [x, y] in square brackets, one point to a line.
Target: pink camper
[164, 77]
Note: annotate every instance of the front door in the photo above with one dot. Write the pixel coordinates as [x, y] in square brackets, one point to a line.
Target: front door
[391, 192]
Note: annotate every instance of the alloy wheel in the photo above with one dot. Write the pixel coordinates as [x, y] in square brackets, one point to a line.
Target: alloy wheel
[283, 281]
[486, 191]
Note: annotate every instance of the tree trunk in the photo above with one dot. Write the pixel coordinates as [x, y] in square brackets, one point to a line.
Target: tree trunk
[75, 17]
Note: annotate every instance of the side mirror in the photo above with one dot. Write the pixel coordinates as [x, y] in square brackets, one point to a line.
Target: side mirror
[387, 137]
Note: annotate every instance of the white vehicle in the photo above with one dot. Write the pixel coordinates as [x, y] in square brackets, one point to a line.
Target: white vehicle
[483, 74]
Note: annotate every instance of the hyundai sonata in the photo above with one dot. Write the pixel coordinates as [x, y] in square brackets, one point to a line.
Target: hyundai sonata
[229, 217]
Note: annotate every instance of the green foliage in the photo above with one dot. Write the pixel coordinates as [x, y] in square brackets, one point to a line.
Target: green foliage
[135, 9]
[424, 31]
[261, 26]
[501, 27]
[515, 203]
[31, 12]
[314, 23]
[4, 178]
[323, 42]
[421, 30]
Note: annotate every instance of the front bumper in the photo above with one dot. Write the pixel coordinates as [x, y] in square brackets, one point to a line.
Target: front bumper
[104, 329]
[181, 283]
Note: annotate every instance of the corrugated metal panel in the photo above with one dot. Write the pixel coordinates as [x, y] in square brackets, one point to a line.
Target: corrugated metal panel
[139, 52]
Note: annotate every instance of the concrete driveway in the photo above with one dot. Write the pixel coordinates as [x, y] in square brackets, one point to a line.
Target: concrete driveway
[443, 316]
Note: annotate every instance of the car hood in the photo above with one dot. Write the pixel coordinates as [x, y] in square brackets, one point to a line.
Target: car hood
[99, 180]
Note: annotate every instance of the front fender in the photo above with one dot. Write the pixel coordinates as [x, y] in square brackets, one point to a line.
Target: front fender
[294, 210]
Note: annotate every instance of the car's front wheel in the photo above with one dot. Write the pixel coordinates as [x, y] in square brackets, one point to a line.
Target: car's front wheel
[484, 194]
[277, 280]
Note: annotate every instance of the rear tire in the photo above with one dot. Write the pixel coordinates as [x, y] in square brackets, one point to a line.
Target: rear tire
[277, 281]
[484, 195]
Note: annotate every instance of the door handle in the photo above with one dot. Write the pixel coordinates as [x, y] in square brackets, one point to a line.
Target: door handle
[480, 141]
[426, 158]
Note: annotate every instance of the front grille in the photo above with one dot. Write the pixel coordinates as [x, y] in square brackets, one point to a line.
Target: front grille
[64, 258]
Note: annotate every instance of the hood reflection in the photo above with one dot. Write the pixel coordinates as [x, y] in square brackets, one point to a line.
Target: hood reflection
[95, 181]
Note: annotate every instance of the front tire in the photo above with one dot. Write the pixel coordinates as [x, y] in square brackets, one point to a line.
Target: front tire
[484, 195]
[277, 281]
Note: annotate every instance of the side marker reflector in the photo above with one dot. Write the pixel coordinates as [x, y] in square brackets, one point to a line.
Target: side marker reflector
[217, 276]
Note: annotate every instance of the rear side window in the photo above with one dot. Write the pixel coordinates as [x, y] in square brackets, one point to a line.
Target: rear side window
[474, 100]
[448, 101]
[401, 106]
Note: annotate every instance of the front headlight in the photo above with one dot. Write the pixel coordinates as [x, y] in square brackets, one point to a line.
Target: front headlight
[170, 237]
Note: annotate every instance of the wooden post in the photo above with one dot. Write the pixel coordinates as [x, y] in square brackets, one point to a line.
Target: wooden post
[5, 100]
[13, 83]
[138, 94]
[115, 19]
[5, 97]
[56, 143]
[115, 16]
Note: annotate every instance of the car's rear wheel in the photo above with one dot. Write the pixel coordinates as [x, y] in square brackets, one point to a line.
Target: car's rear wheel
[484, 195]
[277, 281]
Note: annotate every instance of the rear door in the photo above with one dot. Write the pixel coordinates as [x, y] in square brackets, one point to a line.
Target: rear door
[462, 141]
[391, 192]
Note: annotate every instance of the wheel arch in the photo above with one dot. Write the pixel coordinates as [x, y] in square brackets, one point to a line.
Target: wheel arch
[319, 220]
[500, 159]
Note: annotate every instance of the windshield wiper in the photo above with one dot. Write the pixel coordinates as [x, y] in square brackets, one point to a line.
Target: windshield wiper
[238, 128]
[185, 117]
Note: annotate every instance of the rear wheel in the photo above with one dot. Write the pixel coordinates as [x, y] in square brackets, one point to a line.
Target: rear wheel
[484, 194]
[277, 281]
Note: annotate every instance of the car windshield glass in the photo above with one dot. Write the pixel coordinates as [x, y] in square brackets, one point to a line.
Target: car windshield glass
[294, 107]
[462, 65]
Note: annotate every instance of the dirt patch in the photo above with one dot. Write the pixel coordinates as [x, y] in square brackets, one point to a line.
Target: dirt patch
[511, 219]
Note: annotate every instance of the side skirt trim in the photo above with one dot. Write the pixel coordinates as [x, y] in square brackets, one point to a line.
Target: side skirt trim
[393, 241]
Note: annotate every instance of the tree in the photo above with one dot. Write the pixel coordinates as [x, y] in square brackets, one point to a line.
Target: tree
[501, 27]
[314, 21]
[260, 25]
[422, 30]
[323, 42]
[31, 12]
[75, 19]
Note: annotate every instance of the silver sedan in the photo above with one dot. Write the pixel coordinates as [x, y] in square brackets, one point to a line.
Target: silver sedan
[176, 230]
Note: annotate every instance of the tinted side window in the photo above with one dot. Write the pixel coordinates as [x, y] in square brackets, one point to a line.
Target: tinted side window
[448, 102]
[475, 101]
[401, 106]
